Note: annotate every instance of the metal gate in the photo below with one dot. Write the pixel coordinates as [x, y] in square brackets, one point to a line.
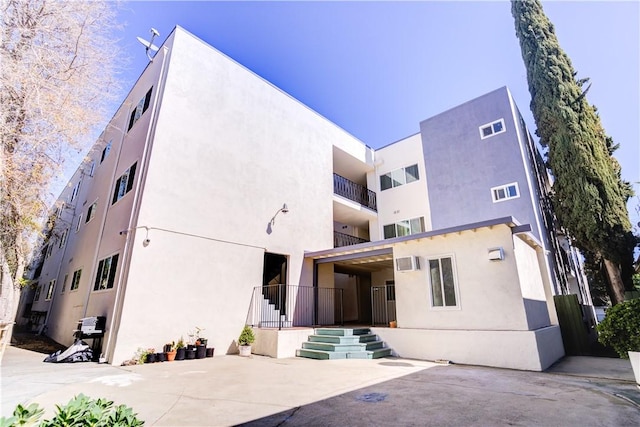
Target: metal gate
[383, 304]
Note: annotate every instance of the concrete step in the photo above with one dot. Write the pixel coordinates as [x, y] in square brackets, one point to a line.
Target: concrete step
[342, 331]
[381, 352]
[334, 339]
[368, 337]
[320, 354]
[359, 355]
[333, 347]
[374, 345]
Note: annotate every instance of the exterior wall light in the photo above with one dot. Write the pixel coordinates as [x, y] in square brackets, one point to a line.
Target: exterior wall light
[284, 209]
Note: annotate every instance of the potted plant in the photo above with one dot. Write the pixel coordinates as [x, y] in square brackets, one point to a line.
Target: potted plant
[245, 340]
[619, 329]
[148, 356]
[170, 351]
[180, 349]
[200, 339]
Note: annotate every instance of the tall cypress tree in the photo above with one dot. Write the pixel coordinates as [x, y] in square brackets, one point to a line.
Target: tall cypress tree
[589, 196]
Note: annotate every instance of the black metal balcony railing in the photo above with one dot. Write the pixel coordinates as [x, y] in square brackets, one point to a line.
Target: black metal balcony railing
[346, 188]
[288, 306]
[341, 239]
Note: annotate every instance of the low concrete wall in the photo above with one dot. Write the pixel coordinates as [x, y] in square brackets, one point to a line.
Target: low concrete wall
[279, 344]
[525, 350]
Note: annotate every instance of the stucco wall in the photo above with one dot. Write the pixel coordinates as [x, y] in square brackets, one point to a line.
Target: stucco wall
[526, 350]
[406, 201]
[229, 150]
[462, 168]
[489, 294]
[100, 237]
[531, 284]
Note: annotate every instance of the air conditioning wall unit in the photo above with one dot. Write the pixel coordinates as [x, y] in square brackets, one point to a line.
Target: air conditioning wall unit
[408, 263]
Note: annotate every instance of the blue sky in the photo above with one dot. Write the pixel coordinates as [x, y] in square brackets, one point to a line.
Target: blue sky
[379, 68]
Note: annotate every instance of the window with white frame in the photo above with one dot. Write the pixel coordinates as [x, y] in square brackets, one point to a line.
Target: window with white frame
[75, 281]
[64, 283]
[124, 184]
[91, 212]
[79, 222]
[505, 192]
[442, 282]
[491, 129]
[74, 192]
[105, 151]
[142, 106]
[399, 177]
[92, 168]
[50, 288]
[404, 228]
[63, 238]
[49, 250]
[106, 274]
[36, 297]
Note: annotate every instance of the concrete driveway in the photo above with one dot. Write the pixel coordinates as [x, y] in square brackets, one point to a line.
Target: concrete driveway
[230, 390]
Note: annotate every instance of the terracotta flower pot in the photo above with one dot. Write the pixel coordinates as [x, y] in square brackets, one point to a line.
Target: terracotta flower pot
[171, 355]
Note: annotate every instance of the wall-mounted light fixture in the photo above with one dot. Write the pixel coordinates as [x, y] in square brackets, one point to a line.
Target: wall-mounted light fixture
[284, 209]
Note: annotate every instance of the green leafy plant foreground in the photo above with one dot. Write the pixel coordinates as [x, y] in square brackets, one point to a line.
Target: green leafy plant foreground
[81, 411]
[620, 328]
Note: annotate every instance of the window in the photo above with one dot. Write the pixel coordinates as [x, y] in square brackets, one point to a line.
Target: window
[142, 106]
[443, 287]
[105, 152]
[49, 249]
[491, 129]
[505, 192]
[37, 295]
[64, 283]
[106, 273]
[79, 222]
[63, 238]
[399, 177]
[91, 212]
[50, 288]
[75, 281]
[124, 184]
[404, 228]
[74, 192]
[92, 168]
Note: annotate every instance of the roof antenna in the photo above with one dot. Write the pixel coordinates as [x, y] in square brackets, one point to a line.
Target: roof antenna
[149, 44]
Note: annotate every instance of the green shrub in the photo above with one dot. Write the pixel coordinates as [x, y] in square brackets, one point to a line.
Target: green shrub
[81, 411]
[246, 337]
[620, 328]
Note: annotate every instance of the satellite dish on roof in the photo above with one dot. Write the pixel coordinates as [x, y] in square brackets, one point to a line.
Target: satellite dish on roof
[149, 46]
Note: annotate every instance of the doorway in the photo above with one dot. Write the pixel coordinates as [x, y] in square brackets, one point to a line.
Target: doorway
[274, 280]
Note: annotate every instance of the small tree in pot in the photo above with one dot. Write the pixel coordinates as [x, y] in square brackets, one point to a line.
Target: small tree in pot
[245, 340]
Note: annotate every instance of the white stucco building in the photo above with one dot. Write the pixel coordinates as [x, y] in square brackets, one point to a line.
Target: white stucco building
[209, 185]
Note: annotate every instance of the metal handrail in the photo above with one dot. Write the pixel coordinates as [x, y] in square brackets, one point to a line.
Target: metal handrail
[353, 191]
[287, 306]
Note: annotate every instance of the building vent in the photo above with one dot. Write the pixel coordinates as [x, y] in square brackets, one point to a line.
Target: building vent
[408, 263]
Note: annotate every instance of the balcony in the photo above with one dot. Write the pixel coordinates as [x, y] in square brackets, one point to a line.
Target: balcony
[341, 239]
[353, 191]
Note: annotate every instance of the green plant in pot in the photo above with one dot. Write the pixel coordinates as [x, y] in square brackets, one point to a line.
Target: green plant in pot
[245, 340]
[620, 329]
[180, 349]
[199, 331]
